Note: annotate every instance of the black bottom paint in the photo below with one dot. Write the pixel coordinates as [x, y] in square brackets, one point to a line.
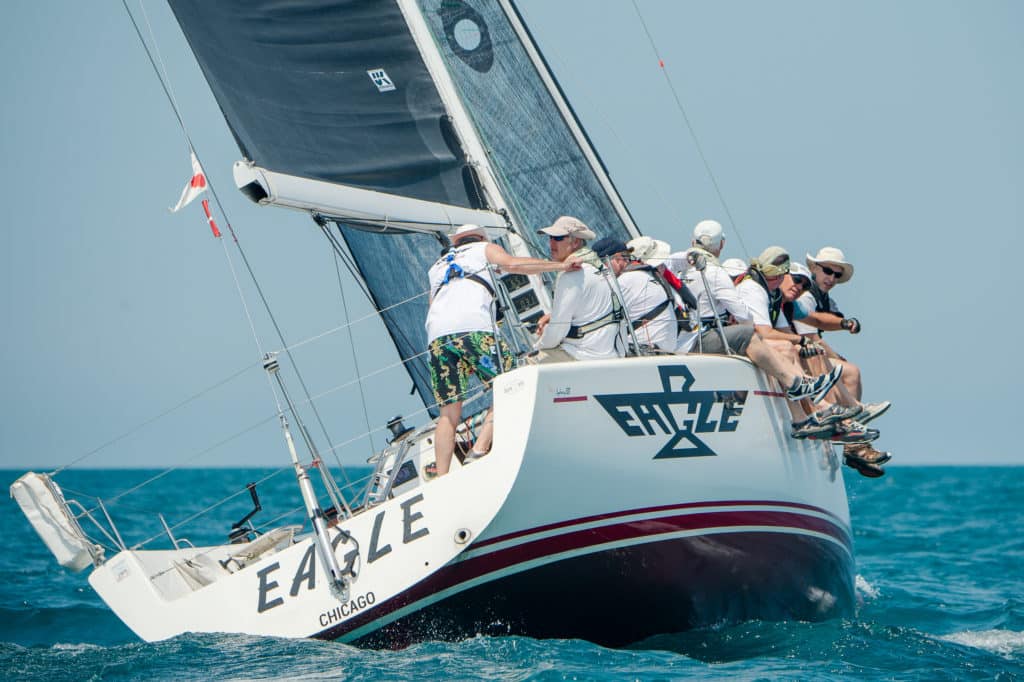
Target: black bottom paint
[622, 596]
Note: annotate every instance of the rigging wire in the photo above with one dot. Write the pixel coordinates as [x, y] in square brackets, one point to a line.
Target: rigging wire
[165, 82]
[554, 56]
[147, 422]
[259, 289]
[689, 127]
[352, 347]
[207, 510]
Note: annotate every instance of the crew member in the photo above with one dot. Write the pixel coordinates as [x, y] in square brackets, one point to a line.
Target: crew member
[460, 326]
[586, 321]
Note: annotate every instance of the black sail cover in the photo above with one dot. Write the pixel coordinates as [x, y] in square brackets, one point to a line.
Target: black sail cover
[338, 92]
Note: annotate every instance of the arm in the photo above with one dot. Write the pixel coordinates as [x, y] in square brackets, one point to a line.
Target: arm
[766, 331]
[567, 290]
[526, 266]
[728, 297]
[828, 322]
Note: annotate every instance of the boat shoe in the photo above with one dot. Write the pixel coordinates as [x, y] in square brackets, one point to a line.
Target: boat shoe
[865, 459]
[473, 456]
[821, 423]
[867, 453]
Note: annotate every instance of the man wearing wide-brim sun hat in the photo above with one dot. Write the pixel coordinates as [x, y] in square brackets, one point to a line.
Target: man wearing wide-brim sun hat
[829, 268]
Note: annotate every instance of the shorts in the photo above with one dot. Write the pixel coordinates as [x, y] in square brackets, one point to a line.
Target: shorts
[738, 336]
[456, 357]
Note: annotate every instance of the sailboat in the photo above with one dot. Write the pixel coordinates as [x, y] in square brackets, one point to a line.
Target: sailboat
[622, 499]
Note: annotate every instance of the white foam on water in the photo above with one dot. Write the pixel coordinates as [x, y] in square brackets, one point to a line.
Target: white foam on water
[1003, 642]
[865, 589]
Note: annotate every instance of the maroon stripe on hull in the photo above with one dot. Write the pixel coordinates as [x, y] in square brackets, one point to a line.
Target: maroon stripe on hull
[647, 530]
[623, 596]
[668, 507]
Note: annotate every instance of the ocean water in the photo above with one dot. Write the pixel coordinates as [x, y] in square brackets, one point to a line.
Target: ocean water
[940, 585]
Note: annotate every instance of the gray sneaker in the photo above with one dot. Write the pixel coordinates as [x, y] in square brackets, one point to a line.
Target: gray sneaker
[816, 388]
[850, 431]
[823, 423]
[869, 411]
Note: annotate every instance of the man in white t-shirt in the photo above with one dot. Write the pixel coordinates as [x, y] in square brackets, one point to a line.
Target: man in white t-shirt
[460, 327]
[584, 323]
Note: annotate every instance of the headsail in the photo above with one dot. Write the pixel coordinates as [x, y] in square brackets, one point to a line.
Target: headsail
[327, 94]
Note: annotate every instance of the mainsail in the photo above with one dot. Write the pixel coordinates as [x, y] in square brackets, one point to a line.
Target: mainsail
[347, 93]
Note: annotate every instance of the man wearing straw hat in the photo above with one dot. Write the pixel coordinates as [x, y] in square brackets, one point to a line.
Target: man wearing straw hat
[763, 292]
[460, 326]
[818, 309]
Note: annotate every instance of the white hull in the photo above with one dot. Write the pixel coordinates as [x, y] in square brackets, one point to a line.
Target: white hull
[629, 481]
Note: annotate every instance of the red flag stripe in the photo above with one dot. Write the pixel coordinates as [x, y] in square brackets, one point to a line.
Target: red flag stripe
[209, 217]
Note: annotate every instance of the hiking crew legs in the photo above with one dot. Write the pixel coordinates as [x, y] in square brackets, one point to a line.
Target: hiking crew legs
[774, 363]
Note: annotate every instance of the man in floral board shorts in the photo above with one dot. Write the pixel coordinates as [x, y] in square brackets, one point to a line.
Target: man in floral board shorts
[461, 330]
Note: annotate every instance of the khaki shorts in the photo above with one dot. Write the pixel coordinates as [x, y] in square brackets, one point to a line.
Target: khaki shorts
[738, 336]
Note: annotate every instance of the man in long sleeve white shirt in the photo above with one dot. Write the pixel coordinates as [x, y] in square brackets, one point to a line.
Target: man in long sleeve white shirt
[583, 322]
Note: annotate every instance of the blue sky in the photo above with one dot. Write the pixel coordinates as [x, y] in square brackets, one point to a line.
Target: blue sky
[891, 130]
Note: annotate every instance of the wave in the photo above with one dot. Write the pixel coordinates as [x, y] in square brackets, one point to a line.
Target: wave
[1002, 642]
[864, 589]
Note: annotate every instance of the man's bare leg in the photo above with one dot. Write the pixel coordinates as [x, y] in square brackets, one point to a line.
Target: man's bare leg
[840, 394]
[444, 436]
[850, 378]
[777, 367]
[483, 439]
[772, 362]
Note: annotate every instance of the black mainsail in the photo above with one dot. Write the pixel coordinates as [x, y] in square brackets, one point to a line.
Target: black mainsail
[443, 102]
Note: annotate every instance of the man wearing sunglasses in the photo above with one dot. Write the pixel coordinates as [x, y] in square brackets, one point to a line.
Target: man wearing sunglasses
[585, 323]
[763, 289]
[828, 269]
[717, 301]
[818, 309]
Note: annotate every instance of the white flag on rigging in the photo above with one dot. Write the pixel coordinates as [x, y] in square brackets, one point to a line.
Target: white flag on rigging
[195, 186]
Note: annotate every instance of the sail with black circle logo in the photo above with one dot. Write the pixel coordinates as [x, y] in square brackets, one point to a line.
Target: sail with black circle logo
[399, 120]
